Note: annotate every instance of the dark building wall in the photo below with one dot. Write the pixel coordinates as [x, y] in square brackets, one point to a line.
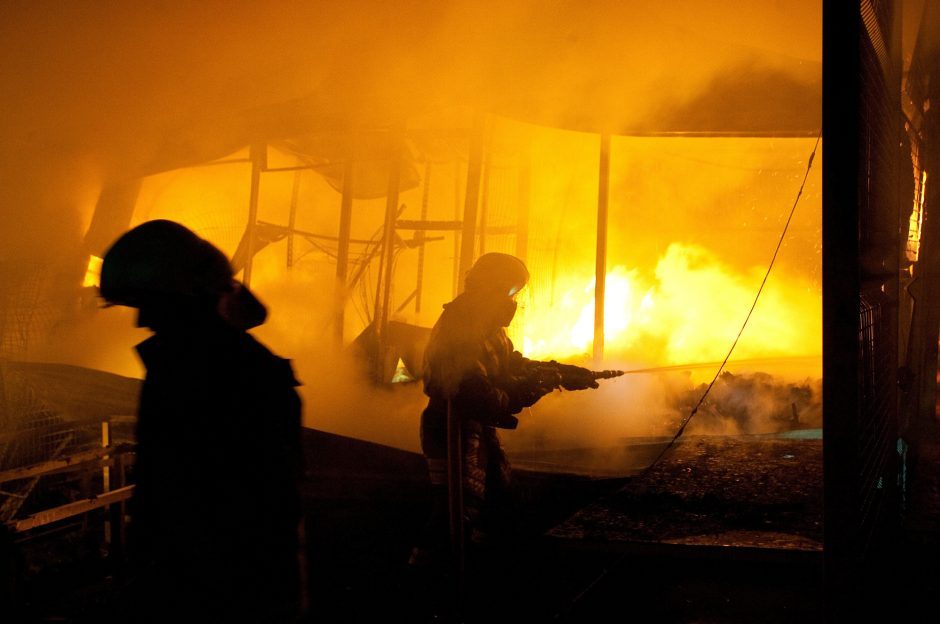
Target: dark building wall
[861, 266]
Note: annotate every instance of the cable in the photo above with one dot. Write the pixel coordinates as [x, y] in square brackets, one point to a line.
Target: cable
[773, 259]
[600, 577]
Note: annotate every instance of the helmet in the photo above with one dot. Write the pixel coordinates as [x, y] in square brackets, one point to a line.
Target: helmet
[497, 273]
[162, 259]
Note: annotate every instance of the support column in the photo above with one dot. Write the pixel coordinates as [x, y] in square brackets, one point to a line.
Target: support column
[258, 155]
[600, 267]
[841, 292]
[421, 236]
[342, 252]
[472, 198]
[292, 217]
[485, 199]
[384, 292]
[522, 210]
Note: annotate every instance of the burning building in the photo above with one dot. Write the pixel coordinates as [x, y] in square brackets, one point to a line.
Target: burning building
[649, 163]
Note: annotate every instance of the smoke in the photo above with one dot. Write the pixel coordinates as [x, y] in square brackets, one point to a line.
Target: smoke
[737, 101]
[98, 94]
[695, 297]
[621, 427]
[753, 403]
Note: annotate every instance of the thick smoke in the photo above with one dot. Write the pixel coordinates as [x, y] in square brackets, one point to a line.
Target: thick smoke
[101, 95]
[753, 403]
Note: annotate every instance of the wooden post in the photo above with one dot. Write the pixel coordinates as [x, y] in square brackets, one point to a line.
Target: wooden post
[342, 252]
[106, 477]
[600, 269]
[118, 513]
[384, 293]
[456, 269]
[522, 210]
[258, 156]
[484, 199]
[522, 226]
[841, 300]
[455, 497]
[292, 218]
[421, 236]
[472, 198]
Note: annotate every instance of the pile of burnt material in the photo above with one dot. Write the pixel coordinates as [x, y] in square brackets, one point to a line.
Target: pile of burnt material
[752, 403]
[748, 491]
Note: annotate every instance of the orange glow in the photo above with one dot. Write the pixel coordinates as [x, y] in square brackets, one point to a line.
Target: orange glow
[568, 329]
[917, 218]
[689, 311]
[101, 99]
[92, 273]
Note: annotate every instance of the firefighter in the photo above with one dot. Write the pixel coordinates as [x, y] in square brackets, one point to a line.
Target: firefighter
[216, 509]
[476, 381]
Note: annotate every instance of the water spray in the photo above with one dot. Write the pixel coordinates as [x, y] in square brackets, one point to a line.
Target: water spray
[695, 365]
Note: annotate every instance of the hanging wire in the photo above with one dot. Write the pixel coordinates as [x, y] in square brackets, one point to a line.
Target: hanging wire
[619, 560]
[773, 259]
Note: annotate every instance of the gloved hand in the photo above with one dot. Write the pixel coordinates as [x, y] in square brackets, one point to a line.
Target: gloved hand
[576, 377]
[524, 394]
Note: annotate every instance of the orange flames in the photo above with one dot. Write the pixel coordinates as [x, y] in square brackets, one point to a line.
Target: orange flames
[92, 272]
[689, 311]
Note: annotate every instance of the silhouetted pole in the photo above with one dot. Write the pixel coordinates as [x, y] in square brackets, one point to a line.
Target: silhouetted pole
[420, 235]
[342, 252]
[456, 285]
[454, 425]
[456, 510]
[292, 217]
[472, 199]
[484, 199]
[842, 40]
[522, 211]
[257, 153]
[600, 269]
[388, 249]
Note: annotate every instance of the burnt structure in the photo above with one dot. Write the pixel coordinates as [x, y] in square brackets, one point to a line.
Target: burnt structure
[881, 273]
[880, 295]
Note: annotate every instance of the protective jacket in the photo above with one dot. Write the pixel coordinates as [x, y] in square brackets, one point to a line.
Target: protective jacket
[477, 369]
[216, 509]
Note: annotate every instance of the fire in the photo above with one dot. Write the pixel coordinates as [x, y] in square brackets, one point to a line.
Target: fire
[618, 299]
[689, 311]
[92, 277]
[567, 329]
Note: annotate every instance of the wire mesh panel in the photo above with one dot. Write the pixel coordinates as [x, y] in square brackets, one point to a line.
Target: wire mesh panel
[53, 414]
[27, 427]
[862, 258]
[876, 426]
[880, 257]
[22, 309]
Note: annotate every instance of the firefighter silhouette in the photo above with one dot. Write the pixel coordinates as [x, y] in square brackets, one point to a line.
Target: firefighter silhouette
[476, 383]
[216, 510]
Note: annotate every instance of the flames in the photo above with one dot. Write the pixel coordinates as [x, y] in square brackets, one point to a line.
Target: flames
[689, 310]
[92, 277]
[567, 328]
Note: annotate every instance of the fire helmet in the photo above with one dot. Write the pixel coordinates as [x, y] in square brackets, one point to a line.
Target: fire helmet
[159, 259]
[497, 273]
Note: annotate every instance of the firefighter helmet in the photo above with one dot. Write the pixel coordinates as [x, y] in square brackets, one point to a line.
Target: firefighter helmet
[497, 272]
[159, 259]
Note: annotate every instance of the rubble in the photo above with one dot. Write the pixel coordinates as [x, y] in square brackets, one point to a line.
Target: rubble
[755, 491]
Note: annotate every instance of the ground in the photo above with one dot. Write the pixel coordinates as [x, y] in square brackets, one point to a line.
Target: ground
[721, 530]
[584, 541]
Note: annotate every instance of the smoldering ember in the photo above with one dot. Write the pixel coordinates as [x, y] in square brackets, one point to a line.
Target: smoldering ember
[464, 311]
